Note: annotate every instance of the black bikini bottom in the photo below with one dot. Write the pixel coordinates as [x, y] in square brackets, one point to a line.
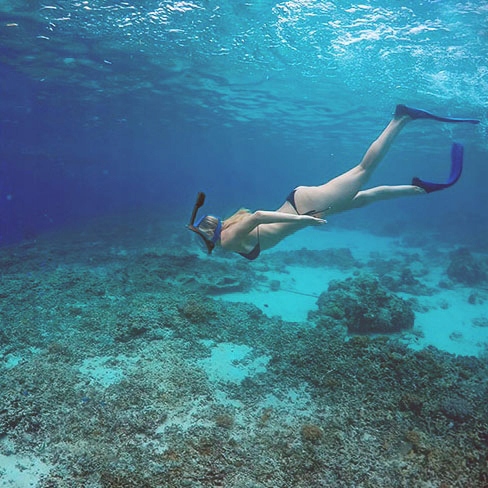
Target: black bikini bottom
[291, 198]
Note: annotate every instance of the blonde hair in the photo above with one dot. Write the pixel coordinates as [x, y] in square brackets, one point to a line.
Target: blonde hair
[208, 225]
[237, 217]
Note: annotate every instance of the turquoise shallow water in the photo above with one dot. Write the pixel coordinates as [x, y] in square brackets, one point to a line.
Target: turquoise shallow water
[350, 356]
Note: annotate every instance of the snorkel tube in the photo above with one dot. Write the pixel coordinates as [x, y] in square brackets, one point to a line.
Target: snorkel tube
[199, 203]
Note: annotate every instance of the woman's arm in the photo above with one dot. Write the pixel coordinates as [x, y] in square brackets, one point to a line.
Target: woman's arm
[266, 217]
[236, 233]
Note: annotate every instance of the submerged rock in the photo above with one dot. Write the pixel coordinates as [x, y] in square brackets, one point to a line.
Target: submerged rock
[222, 285]
[456, 408]
[465, 268]
[403, 280]
[363, 305]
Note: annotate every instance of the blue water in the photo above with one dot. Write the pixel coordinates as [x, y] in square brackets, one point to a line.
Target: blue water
[126, 359]
[106, 108]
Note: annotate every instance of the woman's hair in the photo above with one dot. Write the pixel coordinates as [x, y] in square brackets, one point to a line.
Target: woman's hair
[208, 225]
[237, 217]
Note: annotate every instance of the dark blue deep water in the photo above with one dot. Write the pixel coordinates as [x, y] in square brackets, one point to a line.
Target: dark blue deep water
[107, 108]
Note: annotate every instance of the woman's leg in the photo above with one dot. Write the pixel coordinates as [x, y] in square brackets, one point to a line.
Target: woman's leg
[365, 197]
[338, 193]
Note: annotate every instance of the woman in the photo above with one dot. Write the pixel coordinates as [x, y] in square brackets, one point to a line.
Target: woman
[250, 233]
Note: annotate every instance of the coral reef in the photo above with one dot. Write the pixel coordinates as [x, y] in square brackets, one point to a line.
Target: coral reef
[401, 274]
[104, 376]
[363, 305]
[457, 408]
[311, 433]
[465, 268]
[404, 281]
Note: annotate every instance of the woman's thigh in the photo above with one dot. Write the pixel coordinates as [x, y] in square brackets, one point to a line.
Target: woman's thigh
[334, 196]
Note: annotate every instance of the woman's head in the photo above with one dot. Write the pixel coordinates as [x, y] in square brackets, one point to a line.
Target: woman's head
[207, 225]
[209, 229]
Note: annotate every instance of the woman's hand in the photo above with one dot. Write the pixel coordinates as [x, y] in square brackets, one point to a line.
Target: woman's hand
[313, 220]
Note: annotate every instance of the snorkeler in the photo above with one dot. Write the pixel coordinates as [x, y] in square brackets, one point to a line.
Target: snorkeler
[250, 233]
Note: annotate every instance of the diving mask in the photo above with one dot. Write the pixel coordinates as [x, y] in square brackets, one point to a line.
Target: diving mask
[194, 226]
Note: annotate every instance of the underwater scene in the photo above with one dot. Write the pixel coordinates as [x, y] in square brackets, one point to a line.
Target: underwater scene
[155, 333]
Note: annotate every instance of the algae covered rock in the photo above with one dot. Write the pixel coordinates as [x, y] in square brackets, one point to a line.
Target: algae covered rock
[403, 280]
[363, 305]
[457, 408]
[464, 268]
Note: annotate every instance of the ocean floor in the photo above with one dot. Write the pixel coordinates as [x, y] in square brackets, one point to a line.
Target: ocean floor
[449, 320]
[128, 358]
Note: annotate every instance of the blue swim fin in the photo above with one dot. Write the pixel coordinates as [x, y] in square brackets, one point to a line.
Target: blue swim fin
[417, 113]
[456, 170]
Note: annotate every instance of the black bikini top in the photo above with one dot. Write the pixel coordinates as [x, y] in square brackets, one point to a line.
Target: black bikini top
[254, 252]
